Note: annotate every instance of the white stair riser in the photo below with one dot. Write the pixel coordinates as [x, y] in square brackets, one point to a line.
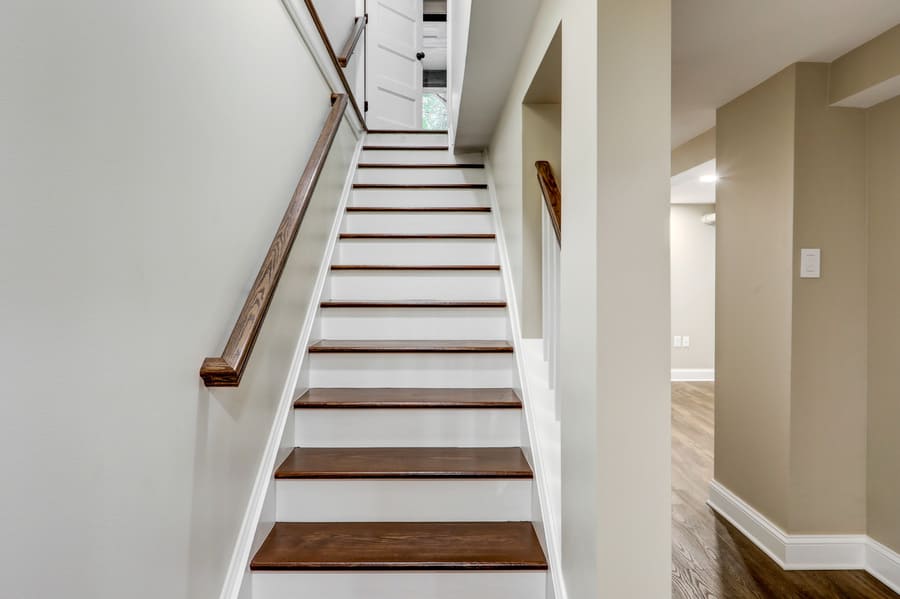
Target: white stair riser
[453, 500]
[401, 585]
[403, 176]
[407, 427]
[411, 156]
[413, 323]
[414, 251]
[399, 198]
[418, 222]
[414, 285]
[400, 139]
[444, 370]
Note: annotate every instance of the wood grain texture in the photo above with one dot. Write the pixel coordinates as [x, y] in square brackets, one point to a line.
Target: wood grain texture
[401, 546]
[711, 558]
[402, 398]
[419, 166]
[418, 208]
[418, 236]
[409, 148]
[413, 304]
[404, 462]
[408, 131]
[227, 369]
[552, 195]
[393, 346]
[359, 25]
[348, 90]
[414, 267]
[445, 186]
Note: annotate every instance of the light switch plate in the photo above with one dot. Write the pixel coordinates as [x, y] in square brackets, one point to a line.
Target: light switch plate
[810, 263]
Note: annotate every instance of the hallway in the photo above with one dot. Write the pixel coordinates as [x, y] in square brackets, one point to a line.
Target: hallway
[710, 558]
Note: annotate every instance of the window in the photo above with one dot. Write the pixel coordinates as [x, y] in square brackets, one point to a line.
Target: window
[434, 111]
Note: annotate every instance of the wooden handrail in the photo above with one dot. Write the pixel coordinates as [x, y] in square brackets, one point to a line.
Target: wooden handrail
[359, 25]
[334, 60]
[552, 195]
[227, 370]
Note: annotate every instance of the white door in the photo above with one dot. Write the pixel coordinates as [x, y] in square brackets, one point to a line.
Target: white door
[393, 69]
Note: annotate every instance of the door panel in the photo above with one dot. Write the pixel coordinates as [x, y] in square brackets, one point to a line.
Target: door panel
[394, 81]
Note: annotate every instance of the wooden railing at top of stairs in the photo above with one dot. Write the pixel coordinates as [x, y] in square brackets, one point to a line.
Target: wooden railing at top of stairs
[552, 195]
[226, 370]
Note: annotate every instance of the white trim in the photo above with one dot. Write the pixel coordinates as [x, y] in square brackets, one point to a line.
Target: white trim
[806, 552]
[240, 557]
[541, 480]
[686, 375]
[883, 564]
[305, 25]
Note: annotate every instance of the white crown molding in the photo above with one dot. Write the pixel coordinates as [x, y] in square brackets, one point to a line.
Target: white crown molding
[806, 552]
[686, 375]
[238, 567]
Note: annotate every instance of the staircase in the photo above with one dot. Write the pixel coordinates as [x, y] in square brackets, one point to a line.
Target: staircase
[408, 479]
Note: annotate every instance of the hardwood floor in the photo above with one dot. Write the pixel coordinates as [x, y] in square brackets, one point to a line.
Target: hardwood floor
[710, 558]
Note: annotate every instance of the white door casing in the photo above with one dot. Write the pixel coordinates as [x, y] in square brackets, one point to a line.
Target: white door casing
[394, 78]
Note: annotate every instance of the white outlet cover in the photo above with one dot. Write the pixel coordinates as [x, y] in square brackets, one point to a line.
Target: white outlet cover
[686, 341]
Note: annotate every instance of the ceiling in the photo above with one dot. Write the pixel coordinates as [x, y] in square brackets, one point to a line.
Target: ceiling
[722, 48]
[688, 188]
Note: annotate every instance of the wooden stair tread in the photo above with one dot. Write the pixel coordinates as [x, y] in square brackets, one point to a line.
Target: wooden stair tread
[418, 208]
[415, 267]
[404, 462]
[405, 148]
[419, 165]
[413, 304]
[408, 398]
[449, 186]
[407, 132]
[409, 346]
[418, 236]
[401, 546]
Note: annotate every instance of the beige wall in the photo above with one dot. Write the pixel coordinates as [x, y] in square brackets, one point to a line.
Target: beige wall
[884, 324]
[149, 150]
[693, 285]
[754, 230]
[865, 67]
[540, 141]
[828, 363]
[694, 152]
[791, 352]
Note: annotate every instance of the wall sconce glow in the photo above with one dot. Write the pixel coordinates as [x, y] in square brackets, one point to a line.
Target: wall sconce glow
[709, 178]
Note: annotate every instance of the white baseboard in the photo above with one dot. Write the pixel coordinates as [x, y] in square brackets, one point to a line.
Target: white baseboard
[236, 580]
[806, 552]
[684, 375]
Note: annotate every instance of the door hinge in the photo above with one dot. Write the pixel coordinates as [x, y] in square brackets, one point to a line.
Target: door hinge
[366, 106]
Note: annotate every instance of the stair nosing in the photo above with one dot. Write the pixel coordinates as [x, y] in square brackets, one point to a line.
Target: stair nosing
[406, 267]
[418, 208]
[317, 399]
[444, 186]
[522, 471]
[409, 346]
[426, 236]
[421, 165]
[405, 148]
[490, 304]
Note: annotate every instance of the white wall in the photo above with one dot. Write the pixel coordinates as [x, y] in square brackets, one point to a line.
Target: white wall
[458, 14]
[693, 286]
[148, 151]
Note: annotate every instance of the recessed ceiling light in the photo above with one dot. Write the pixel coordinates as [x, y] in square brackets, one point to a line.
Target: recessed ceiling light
[709, 178]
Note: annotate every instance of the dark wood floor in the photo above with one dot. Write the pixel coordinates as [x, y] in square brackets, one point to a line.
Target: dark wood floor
[710, 558]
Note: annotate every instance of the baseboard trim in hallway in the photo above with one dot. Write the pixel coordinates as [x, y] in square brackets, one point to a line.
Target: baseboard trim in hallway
[692, 375]
[806, 552]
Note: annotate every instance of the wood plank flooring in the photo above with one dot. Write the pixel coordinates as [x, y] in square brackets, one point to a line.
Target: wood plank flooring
[710, 558]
